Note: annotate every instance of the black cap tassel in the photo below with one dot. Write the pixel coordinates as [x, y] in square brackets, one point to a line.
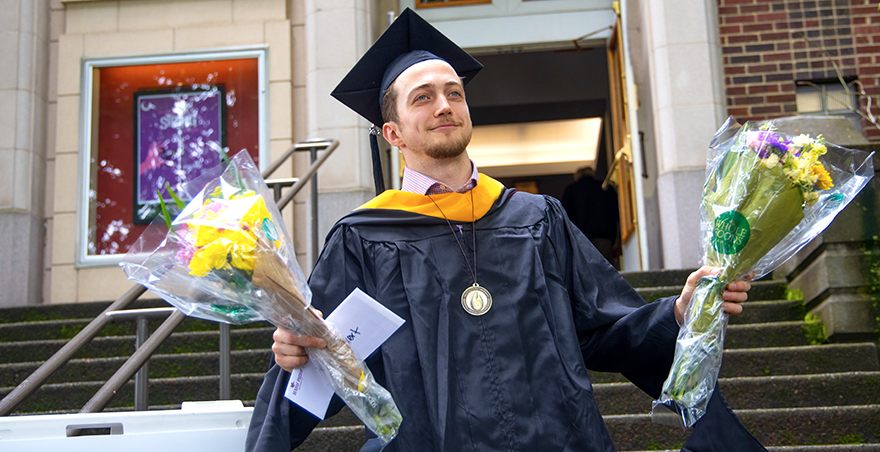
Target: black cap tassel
[378, 178]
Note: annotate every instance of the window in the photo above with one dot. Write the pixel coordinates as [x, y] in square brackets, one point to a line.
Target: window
[155, 120]
[828, 97]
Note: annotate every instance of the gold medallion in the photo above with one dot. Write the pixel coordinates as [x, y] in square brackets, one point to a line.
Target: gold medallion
[476, 300]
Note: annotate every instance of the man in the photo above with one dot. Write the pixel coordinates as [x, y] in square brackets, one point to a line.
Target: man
[506, 303]
[594, 211]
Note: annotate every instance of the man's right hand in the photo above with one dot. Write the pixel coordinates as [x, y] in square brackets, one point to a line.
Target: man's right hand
[290, 348]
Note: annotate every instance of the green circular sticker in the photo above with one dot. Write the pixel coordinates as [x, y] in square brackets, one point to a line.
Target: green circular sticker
[269, 229]
[731, 232]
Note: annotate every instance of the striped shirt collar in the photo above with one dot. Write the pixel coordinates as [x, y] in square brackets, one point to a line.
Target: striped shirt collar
[416, 182]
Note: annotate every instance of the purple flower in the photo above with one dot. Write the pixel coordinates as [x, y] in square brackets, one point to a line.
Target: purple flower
[765, 142]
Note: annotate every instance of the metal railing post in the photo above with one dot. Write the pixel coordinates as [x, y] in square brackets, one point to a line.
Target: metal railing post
[225, 363]
[313, 155]
[142, 377]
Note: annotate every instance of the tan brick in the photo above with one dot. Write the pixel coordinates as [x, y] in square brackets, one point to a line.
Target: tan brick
[70, 53]
[164, 14]
[67, 125]
[63, 284]
[101, 284]
[280, 114]
[277, 148]
[258, 10]
[278, 36]
[64, 238]
[128, 43]
[219, 36]
[66, 182]
[92, 17]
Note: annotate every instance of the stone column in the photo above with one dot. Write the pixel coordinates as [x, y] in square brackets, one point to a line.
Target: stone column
[838, 273]
[337, 34]
[688, 106]
[24, 49]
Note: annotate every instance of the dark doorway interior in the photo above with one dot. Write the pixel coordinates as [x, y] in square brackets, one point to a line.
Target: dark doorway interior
[542, 86]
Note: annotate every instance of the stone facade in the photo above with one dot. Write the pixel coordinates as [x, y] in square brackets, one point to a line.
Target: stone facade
[101, 29]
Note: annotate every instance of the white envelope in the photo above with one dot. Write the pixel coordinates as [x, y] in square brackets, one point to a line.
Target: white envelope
[365, 324]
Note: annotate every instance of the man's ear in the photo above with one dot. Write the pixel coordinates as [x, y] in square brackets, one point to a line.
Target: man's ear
[392, 135]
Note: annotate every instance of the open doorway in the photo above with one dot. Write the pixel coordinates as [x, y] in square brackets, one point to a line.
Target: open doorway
[543, 88]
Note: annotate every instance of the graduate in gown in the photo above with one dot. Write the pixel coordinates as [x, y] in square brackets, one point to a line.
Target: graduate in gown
[506, 304]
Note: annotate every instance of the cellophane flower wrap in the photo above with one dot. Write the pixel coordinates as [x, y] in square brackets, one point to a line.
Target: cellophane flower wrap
[767, 194]
[228, 258]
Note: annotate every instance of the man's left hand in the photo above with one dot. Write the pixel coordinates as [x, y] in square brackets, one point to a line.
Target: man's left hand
[736, 293]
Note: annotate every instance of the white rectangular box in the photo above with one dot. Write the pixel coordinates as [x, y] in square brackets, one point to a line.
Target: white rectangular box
[196, 427]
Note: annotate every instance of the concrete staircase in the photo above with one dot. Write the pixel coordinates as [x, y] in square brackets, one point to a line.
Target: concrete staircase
[792, 395]
[185, 367]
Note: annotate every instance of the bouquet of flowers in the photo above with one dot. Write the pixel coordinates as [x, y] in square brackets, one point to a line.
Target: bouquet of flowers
[226, 257]
[766, 195]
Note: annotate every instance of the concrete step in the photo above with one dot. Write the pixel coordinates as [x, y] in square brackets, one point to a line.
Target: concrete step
[804, 391]
[334, 439]
[66, 311]
[761, 290]
[657, 277]
[835, 448]
[160, 366]
[769, 311]
[830, 429]
[68, 328]
[773, 427]
[772, 361]
[791, 391]
[257, 338]
[776, 334]
[70, 397]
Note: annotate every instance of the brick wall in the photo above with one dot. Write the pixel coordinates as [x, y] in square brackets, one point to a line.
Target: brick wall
[770, 45]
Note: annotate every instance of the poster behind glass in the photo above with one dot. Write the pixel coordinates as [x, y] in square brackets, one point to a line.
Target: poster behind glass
[178, 134]
[122, 187]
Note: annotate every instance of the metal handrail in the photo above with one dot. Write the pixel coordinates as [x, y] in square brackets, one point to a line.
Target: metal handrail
[132, 364]
[36, 379]
[141, 318]
[97, 403]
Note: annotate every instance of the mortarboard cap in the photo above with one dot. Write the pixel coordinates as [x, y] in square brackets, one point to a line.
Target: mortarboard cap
[407, 41]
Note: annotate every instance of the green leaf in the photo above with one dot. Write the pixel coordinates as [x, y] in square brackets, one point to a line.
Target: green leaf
[164, 210]
[225, 158]
[177, 200]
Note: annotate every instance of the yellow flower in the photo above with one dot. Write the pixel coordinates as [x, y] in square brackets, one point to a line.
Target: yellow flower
[226, 231]
[242, 244]
[208, 258]
[824, 181]
[206, 234]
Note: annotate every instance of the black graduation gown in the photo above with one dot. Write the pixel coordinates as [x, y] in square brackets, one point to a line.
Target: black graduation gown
[514, 379]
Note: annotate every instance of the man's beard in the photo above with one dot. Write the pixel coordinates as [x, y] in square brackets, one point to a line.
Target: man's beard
[450, 148]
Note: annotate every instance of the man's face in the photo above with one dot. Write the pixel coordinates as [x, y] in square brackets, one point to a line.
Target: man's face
[433, 117]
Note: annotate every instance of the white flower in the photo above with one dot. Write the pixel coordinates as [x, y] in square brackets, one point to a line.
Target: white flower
[801, 141]
[771, 162]
[811, 198]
